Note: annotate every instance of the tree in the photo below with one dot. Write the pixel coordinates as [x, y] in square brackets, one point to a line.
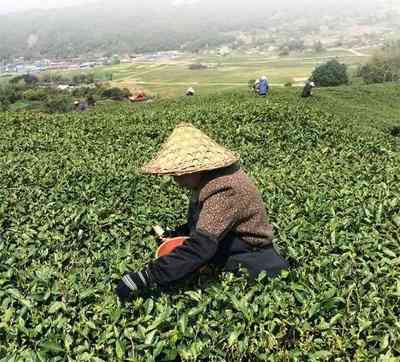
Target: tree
[296, 45]
[383, 67]
[117, 94]
[115, 61]
[197, 66]
[284, 52]
[59, 104]
[36, 94]
[330, 74]
[30, 79]
[318, 47]
[9, 94]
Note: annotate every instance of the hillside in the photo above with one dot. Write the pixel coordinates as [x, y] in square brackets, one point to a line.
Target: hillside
[125, 26]
[368, 107]
[75, 214]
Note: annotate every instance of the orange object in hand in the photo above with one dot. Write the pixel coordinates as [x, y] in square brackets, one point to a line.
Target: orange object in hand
[169, 245]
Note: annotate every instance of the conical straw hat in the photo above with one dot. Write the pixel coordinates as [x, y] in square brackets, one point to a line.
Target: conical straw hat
[188, 150]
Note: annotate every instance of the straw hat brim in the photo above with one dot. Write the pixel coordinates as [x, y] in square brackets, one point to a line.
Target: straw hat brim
[188, 150]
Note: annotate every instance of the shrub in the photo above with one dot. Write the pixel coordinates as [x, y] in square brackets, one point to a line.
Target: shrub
[383, 67]
[252, 85]
[330, 74]
[198, 66]
[10, 94]
[318, 47]
[284, 52]
[84, 92]
[395, 131]
[30, 79]
[37, 94]
[83, 78]
[58, 104]
[116, 93]
[4, 105]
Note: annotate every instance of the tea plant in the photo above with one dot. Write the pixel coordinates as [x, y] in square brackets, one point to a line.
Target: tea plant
[75, 214]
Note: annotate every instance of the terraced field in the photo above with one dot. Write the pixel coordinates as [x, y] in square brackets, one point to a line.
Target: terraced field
[170, 78]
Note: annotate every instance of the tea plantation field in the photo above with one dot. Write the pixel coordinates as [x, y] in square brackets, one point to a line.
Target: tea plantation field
[75, 214]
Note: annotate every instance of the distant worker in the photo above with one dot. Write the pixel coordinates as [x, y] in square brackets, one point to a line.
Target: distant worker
[190, 92]
[308, 89]
[263, 87]
[139, 97]
[83, 106]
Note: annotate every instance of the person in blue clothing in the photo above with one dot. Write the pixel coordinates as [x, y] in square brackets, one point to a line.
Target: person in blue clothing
[263, 87]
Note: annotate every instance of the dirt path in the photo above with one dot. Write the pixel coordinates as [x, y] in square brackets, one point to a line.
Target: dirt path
[357, 53]
[354, 52]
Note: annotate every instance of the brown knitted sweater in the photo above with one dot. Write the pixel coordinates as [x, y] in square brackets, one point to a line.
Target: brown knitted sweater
[228, 202]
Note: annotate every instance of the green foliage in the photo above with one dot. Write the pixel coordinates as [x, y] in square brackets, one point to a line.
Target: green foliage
[55, 78]
[395, 131]
[197, 66]
[87, 91]
[284, 52]
[75, 214]
[293, 45]
[58, 103]
[383, 67]
[62, 78]
[330, 74]
[318, 47]
[252, 85]
[369, 107]
[26, 79]
[36, 94]
[116, 93]
[49, 99]
[83, 78]
[9, 94]
[30, 79]
[115, 61]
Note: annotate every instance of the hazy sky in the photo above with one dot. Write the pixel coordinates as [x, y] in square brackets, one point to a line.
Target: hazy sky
[7, 6]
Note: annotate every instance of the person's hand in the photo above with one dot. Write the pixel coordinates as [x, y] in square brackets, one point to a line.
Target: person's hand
[123, 292]
[159, 231]
[133, 283]
[182, 230]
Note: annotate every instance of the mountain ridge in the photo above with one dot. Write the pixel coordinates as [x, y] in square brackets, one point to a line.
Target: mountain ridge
[127, 26]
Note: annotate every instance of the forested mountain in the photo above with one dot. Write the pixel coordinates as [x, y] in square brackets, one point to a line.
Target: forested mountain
[138, 26]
